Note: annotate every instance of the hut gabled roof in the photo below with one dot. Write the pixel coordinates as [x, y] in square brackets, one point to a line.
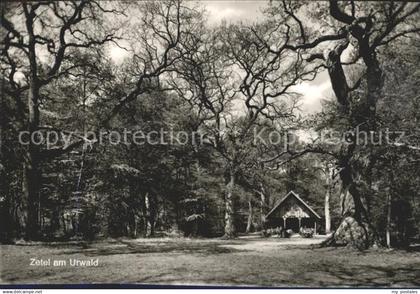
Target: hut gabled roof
[288, 195]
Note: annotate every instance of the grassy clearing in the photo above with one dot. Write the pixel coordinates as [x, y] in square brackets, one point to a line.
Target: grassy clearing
[252, 261]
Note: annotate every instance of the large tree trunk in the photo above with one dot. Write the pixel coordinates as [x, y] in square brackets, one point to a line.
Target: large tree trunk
[32, 172]
[263, 205]
[133, 224]
[144, 214]
[330, 186]
[388, 221]
[355, 229]
[31, 194]
[32, 160]
[150, 210]
[327, 212]
[230, 231]
[250, 216]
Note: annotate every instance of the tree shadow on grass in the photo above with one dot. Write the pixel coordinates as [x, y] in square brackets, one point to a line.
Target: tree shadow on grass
[370, 276]
[360, 268]
[128, 247]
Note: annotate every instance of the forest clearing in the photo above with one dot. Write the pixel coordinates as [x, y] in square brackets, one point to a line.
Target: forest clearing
[249, 261]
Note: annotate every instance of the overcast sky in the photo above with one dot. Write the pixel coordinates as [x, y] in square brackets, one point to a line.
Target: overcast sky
[233, 11]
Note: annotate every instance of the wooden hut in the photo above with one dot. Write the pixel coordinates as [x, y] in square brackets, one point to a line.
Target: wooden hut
[291, 212]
